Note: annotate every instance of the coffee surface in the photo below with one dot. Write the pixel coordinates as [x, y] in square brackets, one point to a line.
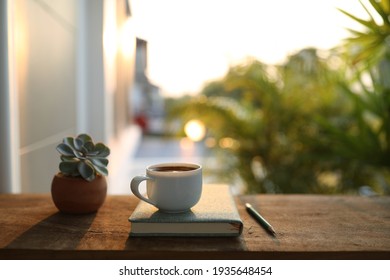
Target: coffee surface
[173, 168]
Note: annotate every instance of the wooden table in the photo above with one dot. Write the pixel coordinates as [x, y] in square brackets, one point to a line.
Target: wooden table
[308, 227]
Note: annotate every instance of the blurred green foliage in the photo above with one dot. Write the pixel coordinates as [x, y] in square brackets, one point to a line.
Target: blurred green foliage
[319, 123]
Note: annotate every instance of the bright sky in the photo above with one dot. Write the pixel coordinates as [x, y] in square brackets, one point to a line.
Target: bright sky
[193, 41]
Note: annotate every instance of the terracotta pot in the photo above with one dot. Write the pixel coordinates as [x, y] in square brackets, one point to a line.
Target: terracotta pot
[78, 196]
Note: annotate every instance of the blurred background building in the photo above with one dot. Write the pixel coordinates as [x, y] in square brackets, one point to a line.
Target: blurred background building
[146, 101]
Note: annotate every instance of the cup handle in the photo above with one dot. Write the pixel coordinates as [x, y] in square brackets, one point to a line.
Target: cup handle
[134, 186]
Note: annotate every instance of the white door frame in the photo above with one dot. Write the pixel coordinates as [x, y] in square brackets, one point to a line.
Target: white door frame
[9, 117]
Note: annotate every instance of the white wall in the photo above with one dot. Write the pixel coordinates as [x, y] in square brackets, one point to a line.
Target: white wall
[45, 44]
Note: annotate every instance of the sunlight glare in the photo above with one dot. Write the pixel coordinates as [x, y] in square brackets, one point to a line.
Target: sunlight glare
[127, 40]
[110, 45]
[195, 130]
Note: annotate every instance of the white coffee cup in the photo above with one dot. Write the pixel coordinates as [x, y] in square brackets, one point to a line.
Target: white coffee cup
[171, 187]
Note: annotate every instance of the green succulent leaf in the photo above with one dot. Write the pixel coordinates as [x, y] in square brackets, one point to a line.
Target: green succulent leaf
[89, 146]
[93, 153]
[103, 150]
[84, 138]
[69, 168]
[69, 141]
[84, 151]
[65, 150]
[78, 144]
[86, 170]
[102, 162]
[101, 170]
[69, 159]
[81, 157]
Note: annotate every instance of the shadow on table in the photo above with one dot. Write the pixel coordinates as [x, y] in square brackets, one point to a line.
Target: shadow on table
[58, 231]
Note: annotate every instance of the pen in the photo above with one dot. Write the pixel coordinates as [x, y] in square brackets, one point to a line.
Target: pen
[260, 219]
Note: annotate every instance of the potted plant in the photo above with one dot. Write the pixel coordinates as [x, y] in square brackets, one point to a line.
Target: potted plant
[80, 187]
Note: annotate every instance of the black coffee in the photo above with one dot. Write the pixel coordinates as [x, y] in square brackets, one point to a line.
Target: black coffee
[173, 168]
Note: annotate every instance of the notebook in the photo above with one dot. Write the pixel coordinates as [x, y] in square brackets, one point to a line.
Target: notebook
[214, 215]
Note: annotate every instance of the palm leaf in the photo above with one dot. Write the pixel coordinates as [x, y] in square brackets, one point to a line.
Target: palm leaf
[370, 24]
[382, 9]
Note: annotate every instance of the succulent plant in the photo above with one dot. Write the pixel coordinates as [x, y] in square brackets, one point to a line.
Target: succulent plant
[80, 157]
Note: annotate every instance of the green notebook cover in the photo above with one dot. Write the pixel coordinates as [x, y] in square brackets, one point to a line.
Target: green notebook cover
[214, 215]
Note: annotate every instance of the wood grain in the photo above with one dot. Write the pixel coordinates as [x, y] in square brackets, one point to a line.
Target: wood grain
[307, 226]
